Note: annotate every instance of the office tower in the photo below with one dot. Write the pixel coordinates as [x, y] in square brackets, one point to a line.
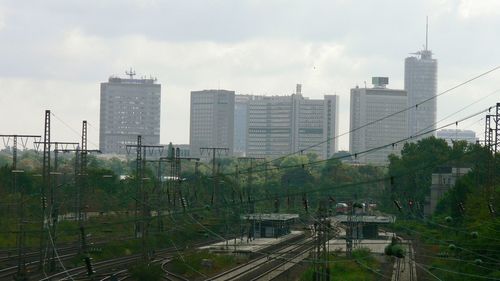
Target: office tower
[129, 107]
[279, 125]
[421, 85]
[369, 105]
[240, 123]
[211, 120]
[450, 135]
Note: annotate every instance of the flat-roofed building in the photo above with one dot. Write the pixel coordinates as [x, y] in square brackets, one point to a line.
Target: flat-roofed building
[279, 125]
[369, 105]
[450, 135]
[129, 107]
[211, 120]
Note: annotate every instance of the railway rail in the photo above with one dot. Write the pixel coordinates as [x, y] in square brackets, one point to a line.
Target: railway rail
[265, 264]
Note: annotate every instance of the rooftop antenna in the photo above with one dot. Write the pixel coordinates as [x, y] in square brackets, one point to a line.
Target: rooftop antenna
[130, 73]
[426, 31]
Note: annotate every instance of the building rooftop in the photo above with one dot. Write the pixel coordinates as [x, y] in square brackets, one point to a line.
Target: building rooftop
[270, 217]
[364, 218]
[118, 80]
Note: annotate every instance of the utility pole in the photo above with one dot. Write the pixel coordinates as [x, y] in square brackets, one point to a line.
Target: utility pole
[497, 125]
[81, 184]
[322, 226]
[24, 140]
[488, 132]
[141, 194]
[21, 237]
[214, 150]
[174, 177]
[251, 207]
[45, 185]
[54, 205]
[197, 176]
[175, 180]
[349, 230]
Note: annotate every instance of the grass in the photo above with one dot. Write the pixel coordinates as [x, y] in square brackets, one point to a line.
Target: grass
[196, 263]
[349, 269]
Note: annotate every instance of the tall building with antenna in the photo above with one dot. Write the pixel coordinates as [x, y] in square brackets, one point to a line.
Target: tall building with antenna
[421, 86]
[129, 107]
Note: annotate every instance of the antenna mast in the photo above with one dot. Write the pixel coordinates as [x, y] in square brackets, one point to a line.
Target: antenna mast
[426, 31]
[130, 73]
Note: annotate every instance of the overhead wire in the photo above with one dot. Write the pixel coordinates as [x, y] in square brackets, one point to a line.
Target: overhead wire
[389, 115]
[444, 243]
[358, 183]
[461, 109]
[367, 151]
[459, 273]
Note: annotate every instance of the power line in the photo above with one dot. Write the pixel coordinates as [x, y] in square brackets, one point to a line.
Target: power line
[388, 116]
[355, 154]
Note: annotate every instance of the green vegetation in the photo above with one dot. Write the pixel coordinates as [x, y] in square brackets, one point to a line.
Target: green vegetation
[459, 237]
[200, 263]
[146, 272]
[362, 266]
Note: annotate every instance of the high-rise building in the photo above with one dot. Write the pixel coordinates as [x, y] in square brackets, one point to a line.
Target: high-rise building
[421, 85]
[450, 135]
[279, 125]
[211, 120]
[240, 123]
[129, 107]
[369, 105]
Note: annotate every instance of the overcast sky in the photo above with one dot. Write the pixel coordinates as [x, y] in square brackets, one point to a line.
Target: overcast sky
[54, 54]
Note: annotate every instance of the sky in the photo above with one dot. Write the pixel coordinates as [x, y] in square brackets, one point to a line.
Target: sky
[55, 53]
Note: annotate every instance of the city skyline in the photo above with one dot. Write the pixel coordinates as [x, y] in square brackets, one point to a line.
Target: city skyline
[58, 63]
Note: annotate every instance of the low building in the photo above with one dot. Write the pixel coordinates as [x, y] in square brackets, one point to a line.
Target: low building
[443, 179]
[451, 135]
[269, 225]
[364, 226]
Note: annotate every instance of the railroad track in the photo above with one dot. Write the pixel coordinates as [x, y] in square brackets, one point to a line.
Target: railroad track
[280, 265]
[82, 270]
[261, 266]
[8, 272]
[32, 259]
[170, 276]
[106, 269]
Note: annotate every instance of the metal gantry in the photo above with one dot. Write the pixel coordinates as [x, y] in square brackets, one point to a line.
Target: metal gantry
[251, 206]
[15, 140]
[21, 235]
[141, 204]
[45, 185]
[322, 233]
[215, 151]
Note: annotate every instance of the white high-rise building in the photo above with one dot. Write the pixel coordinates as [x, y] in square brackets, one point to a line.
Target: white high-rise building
[450, 135]
[421, 85]
[211, 120]
[369, 105]
[129, 107]
[279, 125]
